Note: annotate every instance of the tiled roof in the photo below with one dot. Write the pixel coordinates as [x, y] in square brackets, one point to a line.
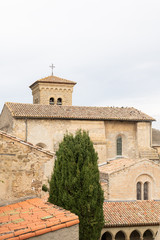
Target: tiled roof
[32, 218]
[136, 213]
[25, 143]
[118, 164]
[21, 110]
[53, 79]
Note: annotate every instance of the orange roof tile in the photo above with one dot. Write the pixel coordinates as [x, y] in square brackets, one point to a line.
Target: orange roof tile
[131, 213]
[53, 80]
[22, 110]
[33, 218]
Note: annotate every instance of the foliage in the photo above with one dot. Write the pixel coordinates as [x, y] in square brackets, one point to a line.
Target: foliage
[75, 183]
[45, 188]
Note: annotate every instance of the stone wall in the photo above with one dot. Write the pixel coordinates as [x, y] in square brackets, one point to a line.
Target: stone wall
[23, 169]
[127, 131]
[49, 133]
[6, 120]
[64, 233]
[42, 92]
[144, 135]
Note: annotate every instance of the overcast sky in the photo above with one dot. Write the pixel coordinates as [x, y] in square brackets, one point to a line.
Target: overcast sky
[111, 48]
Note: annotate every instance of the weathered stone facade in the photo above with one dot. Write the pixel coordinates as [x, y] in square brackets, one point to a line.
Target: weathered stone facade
[103, 133]
[65, 233]
[105, 125]
[52, 88]
[23, 168]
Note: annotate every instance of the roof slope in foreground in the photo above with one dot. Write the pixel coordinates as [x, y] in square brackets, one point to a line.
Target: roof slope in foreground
[32, 218]
[53, 79]
[131, 213]
[22, 110]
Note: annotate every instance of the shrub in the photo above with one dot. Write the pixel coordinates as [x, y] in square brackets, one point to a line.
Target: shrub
[75, 183]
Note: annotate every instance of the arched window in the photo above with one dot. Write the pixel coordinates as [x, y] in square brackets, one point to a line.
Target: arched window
[106, 236]
[147, 235]
[142, 191]
[119, 146]
[145, 190]
[51, 101]
[120, 236]
[139, 190]
[59, 101]
[135, 235]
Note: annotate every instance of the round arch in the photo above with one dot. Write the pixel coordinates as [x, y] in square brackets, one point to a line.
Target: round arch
[107, 236]
[41, 145]
[51, 101]
[148, 235]
[59, 101]
[135, 235]
[144, 177]
[120, 235]
[121, 144]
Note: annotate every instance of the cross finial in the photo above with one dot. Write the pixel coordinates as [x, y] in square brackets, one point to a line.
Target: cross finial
[52, 66]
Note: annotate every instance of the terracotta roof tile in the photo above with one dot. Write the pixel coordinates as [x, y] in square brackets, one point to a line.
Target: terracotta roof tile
[131, 213]
[33, 218]
[14, 138]
[53, 79]
[21, 110]
[119, 164]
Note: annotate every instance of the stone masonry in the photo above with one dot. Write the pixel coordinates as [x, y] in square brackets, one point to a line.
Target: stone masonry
[23, 168]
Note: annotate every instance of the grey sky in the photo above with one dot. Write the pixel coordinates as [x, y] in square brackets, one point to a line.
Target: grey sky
[111, 48]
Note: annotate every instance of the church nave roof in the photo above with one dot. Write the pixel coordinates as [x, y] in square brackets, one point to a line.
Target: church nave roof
[22, 110]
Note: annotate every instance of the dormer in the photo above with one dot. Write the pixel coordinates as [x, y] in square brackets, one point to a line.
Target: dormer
[52, 90]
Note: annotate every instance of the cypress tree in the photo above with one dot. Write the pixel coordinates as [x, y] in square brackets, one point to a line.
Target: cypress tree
[75, 183]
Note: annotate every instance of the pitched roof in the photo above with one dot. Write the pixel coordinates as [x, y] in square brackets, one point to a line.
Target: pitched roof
[21, 110]
[120, 164]
[131, 213]
[53, 79]
[32, 218]
[14, 138]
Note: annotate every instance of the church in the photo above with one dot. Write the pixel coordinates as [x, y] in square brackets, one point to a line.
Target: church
[114, 131]
[128, 160]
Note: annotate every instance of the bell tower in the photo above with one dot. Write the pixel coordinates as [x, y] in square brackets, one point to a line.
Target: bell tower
[52, 90]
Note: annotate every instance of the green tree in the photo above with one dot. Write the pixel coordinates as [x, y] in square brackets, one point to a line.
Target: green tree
[75, 183]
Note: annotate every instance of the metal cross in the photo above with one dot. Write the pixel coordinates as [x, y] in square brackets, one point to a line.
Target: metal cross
[52, 66]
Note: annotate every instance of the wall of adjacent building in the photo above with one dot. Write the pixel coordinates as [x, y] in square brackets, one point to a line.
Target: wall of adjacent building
[49, 133]
[122, 184]
[144, 138]
[125, 130]
[64, 233]
[6, 120]
[23, 169]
